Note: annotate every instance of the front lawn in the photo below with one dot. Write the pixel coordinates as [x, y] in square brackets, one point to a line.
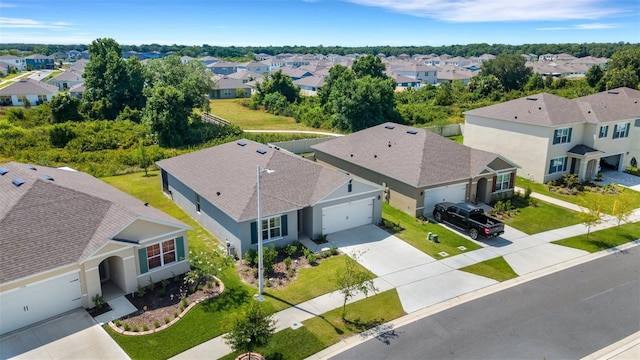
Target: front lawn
[497, 269]
[327, 329]
[587, 199]
[533, 220]
[603, 239]
[414, 232]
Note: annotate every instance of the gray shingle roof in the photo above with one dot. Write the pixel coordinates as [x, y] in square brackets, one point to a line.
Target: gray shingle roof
[47, 224]
[230, 169]
[29, 87]
[550, 110]
[420, 160]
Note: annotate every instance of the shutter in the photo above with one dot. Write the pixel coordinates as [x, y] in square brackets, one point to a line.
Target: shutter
[284, 229]
[180, 248]
[142, 256]
[254, 232]
[555, 137]
[512, 180]
[626, 132]
[493, 187]
[569, 138]
[615, 131]
[551, 166]
[564, 166]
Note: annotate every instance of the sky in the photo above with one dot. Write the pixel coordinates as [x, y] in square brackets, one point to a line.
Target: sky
[347, 23]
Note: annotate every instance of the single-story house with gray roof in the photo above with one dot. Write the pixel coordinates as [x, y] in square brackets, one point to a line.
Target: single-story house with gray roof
[67, 237]
[418, 168]
[33, 91]
[301, 199]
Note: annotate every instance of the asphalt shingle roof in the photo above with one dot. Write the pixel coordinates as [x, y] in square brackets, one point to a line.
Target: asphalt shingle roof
[29, 87]
[47, 224]
[420, 160]
[226, 175]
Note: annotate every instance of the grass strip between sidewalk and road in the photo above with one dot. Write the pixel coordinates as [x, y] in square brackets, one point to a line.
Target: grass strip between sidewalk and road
[603, 239]
[327, 329]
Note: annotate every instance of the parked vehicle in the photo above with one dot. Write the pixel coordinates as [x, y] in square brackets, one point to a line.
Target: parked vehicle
[469, 218]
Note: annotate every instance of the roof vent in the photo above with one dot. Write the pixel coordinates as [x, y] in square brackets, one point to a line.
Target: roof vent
[17, 181]
[412, 132]
[261, 151]
[390, 127]
[389, 145]
[532, 99]
[241, 143]
[3, 171]
[30, 167]
[218, 193]
[47, 177]
[613, 92]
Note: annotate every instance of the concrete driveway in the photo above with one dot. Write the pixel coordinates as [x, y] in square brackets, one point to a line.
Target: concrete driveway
[72, 336]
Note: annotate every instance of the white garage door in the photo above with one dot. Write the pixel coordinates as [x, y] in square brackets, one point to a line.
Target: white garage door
[39, 301]
[347, 215]
[453, 193]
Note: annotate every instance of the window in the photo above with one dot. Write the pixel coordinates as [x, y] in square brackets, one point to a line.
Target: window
[271, 228]
[22, 98]
[620, 130]
[562, 136]
[558, 165]
[161, 254]
[604, 130]
[502, 181]
[42, 98]
[197, 203]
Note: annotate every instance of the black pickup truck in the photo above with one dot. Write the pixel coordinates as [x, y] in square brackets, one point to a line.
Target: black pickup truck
[469, 218]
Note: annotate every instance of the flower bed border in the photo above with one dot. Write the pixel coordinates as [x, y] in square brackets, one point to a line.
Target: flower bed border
[173, 321]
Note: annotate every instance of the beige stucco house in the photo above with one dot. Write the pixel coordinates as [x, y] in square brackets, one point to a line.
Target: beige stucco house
[418, 168]
[549, 136]
[67, 236]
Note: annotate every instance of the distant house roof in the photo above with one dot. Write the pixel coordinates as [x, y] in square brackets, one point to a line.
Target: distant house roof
[550, 110]
[225, 175]
[29, 87]
[57, 217]
[413, 156]
[310, 81]
[229, 83]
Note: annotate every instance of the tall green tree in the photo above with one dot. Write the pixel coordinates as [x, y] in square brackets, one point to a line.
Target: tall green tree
[593, 75]
[369, 65]
[619, 77]
[65, 107]
[167, 116]
[510, 69]
[278, 83]
[627, 58]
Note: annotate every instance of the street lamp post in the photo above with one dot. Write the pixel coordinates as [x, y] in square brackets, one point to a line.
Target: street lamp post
[259, 228]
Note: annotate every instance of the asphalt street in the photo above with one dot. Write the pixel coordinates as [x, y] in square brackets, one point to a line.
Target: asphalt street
[565, 315]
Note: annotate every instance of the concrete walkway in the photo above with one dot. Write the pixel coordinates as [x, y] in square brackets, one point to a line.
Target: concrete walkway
[425, 284]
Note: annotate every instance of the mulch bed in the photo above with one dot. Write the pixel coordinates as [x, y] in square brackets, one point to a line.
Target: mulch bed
[157, 307]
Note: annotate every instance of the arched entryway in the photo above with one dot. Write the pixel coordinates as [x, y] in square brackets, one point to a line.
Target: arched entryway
[112, 277]
[481, 190]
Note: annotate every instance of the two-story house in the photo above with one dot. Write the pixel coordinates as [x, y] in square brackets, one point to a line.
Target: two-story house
[550, 136]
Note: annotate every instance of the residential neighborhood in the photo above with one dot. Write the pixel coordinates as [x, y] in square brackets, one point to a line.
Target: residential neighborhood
[135, 226]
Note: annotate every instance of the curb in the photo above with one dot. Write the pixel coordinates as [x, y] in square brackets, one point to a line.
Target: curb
[355, 340]
[618, 349]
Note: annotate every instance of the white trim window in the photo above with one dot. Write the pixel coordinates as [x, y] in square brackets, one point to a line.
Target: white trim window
[604, 131]
[562, 136]
[161, 254]
[271, 228]
[621, 130]
[558, 164]
[503, 181]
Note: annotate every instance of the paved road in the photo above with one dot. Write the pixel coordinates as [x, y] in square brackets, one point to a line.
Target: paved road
[565, 315]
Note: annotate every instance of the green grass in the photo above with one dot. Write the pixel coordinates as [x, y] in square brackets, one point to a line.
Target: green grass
[310, 283]
[532, 220]
[496, 268]
[586, 199]
[327, 329]
[457, 138]
[233, 111]
[603, 239]
[414, 232]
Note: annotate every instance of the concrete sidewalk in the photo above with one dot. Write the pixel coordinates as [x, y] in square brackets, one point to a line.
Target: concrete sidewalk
[426, 285]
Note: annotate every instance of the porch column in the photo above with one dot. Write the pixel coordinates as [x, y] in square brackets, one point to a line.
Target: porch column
[582, 171]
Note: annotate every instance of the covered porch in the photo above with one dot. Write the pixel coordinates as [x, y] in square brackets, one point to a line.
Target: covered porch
[584, 161]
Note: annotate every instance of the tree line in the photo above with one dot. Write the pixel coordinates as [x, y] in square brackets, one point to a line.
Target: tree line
[469, 50]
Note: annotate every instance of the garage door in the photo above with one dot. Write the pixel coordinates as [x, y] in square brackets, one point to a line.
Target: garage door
[453, 193]
[347, 215]
[32, 303]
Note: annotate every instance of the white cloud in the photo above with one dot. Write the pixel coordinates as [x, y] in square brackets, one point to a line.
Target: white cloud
[17, 23]
[497, 10]
[596, 26]
[37, 38]
[6, 5]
